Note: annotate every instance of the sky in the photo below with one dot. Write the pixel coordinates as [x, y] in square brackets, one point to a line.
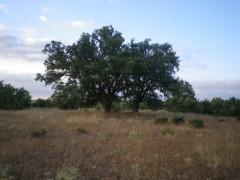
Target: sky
[205, 35]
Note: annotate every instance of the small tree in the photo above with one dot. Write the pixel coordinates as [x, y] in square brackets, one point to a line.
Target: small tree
[13, 98]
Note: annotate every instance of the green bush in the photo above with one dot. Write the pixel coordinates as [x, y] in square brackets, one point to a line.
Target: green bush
[196, 123]
[178, 120]
[39, 133]
[82, 131]
[161, 120]
[116, 107]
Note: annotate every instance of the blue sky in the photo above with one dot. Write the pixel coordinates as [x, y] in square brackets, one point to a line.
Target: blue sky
[205, 34]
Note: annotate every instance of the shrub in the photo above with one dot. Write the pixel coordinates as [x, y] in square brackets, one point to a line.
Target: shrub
[196, 123]
[178, 120]
[39, 133]
[82, 131]
[99, 106]
[161, 120]
[238, 118]
[167, 131]
[116, 107]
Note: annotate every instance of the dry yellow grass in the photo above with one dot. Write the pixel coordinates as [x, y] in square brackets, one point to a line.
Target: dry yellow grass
[88, 144]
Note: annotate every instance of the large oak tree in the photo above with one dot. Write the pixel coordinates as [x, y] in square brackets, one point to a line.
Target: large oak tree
[100, 67]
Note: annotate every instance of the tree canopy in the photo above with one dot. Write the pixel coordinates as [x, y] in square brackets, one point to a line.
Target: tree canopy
[101, 67]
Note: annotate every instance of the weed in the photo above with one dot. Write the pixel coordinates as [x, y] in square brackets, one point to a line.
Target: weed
[196, 123]
[178, 120]
[161, 120]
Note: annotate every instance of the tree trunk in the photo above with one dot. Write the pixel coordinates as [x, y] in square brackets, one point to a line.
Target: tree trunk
[135, 107]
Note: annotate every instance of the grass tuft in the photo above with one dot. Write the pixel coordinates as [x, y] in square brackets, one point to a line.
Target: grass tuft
[39, 133]
[178, 120]
[167, 130]
[196, 123]
[161, 120]
[82, 131]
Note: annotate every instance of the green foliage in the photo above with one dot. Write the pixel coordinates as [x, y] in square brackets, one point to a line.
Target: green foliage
[13, 98]
[196, 123]
[161, 120]
[116, 107]
[151, 68]
[216, 106]
[41, 103]
[39, 133]
[100, 67]
[178, 119]
[99, 106]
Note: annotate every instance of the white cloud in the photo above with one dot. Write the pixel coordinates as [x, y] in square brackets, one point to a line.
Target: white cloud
[2, 27]
[3, 8]
[43, 18]
[79, 24]
[35, 40]
[28, 31]
[29, 37]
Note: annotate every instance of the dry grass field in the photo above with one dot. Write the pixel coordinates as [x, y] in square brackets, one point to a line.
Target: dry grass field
[88, 144]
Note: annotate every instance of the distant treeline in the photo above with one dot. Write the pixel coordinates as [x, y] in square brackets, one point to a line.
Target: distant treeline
[216, 106]
[12, 98]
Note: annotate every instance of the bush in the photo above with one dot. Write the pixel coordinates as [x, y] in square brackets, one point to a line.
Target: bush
[196, 123]
[82, 131]
[39, 133]
[99, 106]
[116, 107]
[161, 120]
[41, 103]
[238, 118]
[178, 120]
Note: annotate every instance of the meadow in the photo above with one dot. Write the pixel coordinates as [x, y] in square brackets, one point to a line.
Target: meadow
[91, 144]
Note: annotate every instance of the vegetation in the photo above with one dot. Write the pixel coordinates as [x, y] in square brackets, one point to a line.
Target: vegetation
[41, 103]
[101, 68]
[82, 131]
[216, 106]
[161, 120]
[13, 98]
[116, 146]
[39, 133]
[196, 123]
[178, 119]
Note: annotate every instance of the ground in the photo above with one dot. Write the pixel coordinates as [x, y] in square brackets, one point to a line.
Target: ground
[89, 144]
